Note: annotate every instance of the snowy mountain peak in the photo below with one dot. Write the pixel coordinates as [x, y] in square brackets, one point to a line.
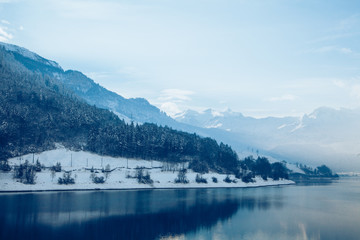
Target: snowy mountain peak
[207, 114]
[213, 113]
[321, 112]
[327, 112]
[29, 55]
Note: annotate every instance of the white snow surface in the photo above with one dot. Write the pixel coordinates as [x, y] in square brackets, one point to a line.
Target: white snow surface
[214, 125]
[81, 162]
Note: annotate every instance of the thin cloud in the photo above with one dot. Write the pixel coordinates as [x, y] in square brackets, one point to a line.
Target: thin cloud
[345, 28]
[286, 97]
[175, 95]
[97, 75]
[4, 35]
[345, 50]
[128, 70]
[91, 10]
[327, 49]
[170, 108]
[355, 91]
[339, 83]
[347, 23]
[351, 86]
[5, 22]
[172, 100]
[334, 37]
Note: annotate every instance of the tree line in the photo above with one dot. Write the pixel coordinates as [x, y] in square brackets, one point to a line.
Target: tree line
[37, 112]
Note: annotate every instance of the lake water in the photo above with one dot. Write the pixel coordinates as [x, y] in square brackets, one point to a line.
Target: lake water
[316, 211]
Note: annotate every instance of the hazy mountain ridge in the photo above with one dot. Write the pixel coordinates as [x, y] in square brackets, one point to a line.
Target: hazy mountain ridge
[326, 134]
[31, 60]
[322, 122]
[133, 109]
[236, 122]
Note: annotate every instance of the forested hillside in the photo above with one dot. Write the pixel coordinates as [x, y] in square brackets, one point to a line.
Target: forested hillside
[37, 111]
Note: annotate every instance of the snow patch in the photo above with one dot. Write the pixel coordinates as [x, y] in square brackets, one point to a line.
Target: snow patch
[312, 116]
[216, 114]
[214, 125]
[80, 163]
[294, 168]
[299, 126]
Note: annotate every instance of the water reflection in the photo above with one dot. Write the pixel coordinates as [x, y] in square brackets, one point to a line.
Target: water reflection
[316, 182]
[292, 212]
[121, 214]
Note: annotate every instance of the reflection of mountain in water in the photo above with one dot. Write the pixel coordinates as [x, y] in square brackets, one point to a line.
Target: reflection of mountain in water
[120, 215]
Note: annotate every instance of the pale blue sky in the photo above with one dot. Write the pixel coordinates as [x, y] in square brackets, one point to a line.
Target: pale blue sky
[261, 58]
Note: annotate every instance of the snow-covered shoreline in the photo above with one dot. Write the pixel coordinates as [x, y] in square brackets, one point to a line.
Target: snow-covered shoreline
[103, 187]
[79, 164]
[139, 187]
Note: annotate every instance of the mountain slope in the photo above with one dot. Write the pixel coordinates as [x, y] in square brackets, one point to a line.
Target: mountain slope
[133, 109]
[38, 111]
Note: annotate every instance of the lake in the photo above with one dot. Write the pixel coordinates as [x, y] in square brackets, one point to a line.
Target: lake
[329, 210]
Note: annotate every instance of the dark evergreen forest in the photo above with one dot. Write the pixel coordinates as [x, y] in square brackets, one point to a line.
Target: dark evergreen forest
[37, 111]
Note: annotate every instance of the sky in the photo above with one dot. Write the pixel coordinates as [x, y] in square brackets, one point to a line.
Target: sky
[260, 58]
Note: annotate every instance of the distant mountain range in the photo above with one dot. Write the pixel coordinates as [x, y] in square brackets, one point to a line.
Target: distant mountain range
[324, 136]
[324, 125]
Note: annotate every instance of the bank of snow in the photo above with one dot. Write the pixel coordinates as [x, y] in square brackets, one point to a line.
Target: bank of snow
[80, 163]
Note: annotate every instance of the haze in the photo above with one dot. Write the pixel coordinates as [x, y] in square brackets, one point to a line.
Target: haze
[260, 58]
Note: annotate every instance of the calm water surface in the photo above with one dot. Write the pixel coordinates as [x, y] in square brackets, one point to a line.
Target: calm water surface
[318, 211]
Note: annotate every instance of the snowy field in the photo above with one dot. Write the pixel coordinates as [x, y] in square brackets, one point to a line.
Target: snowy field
[80, 163]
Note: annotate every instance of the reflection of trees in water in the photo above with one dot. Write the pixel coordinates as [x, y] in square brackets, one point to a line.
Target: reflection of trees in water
[315, 182]
[260, 203]
[135, 226]
[130, 215]
[172, 222]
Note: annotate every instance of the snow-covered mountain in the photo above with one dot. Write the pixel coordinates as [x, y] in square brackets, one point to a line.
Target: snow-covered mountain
[31, 59]
[133, 109]
[236, 122]
[325, 135]
[324, 125]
